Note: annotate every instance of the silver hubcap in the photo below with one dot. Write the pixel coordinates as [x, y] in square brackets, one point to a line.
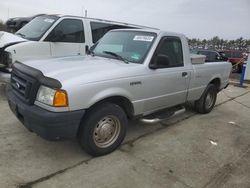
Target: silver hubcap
[106, 131]
[209, 100]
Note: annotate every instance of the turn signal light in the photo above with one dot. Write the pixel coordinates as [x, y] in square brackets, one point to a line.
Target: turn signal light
[60, 99]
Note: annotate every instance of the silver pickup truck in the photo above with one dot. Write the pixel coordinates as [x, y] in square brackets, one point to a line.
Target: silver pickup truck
[129, 73]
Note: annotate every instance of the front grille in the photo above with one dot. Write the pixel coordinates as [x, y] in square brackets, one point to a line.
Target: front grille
[24, 86]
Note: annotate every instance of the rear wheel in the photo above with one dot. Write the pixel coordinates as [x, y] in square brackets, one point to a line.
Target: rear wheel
[207, 101]
[103, 129]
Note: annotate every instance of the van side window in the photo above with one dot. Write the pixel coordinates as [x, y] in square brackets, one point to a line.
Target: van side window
[68, 30]
[99, 29]
[171, 48]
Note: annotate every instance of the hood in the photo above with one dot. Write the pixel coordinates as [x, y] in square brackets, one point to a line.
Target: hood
[84, 69]
[8, 38]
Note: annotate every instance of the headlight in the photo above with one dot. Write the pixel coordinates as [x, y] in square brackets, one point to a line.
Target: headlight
[52, 97]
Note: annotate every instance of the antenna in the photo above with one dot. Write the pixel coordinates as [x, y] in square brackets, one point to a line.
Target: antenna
[84, 12]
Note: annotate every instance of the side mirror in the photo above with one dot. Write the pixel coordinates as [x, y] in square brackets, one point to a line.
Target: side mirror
[58, 36]
[161, 61]
[87, 51]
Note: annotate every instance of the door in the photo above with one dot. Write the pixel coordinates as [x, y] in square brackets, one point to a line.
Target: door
[67, 38]
[168, 82]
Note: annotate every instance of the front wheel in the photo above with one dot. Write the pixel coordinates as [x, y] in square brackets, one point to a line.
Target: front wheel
[207, 101]
[103, 129]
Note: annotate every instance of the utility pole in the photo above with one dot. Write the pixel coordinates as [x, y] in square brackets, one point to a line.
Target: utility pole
[8, 14]
[86, 13]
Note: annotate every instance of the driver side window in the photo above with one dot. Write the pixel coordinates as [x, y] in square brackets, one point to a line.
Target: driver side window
[68, 30]
[169, 53]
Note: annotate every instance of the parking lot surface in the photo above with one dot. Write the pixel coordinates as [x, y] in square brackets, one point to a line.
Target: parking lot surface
[190, 150]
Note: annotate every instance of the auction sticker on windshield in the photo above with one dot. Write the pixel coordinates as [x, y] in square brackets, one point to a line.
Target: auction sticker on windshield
[143, 38]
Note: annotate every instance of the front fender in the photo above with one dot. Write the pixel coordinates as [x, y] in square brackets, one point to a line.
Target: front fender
[29, 50]
[85, 96]
[110, 92]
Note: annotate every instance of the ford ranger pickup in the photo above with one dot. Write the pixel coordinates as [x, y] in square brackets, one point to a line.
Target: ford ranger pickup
[129, 73]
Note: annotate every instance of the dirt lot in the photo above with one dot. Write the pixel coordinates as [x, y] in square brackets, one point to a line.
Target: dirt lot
[190, 150]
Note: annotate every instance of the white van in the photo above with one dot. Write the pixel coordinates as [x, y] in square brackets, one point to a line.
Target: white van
[54, 36]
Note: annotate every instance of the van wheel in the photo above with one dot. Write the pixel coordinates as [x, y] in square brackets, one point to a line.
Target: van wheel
[207, 101]
[103, 129]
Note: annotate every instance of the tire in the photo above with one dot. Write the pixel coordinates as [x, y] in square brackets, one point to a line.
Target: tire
[103, 129]
[207, 101]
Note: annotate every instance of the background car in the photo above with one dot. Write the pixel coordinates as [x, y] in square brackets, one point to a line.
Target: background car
[17, 23]
[235, 57]
[212, 55]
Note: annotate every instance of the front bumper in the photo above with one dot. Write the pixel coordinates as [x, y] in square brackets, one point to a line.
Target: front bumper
[48, 125]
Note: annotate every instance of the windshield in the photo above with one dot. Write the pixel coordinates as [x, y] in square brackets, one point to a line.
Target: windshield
[35, 29]
[131, 46]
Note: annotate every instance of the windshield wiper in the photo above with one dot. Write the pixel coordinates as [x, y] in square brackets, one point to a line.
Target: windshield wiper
[116, 55]
[20, 34]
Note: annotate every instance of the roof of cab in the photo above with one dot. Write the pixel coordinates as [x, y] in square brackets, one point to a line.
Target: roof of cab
[157, 31]
[102, 20]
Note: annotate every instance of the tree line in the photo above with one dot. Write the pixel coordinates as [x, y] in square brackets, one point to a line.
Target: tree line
[220, 44]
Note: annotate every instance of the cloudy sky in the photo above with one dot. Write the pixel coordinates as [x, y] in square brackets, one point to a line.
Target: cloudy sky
[229, 19]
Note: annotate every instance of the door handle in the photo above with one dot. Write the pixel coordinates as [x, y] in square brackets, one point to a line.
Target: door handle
[184, 74]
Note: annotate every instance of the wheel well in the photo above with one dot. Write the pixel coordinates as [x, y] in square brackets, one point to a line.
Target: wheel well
[123, 102]
[216, 82]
